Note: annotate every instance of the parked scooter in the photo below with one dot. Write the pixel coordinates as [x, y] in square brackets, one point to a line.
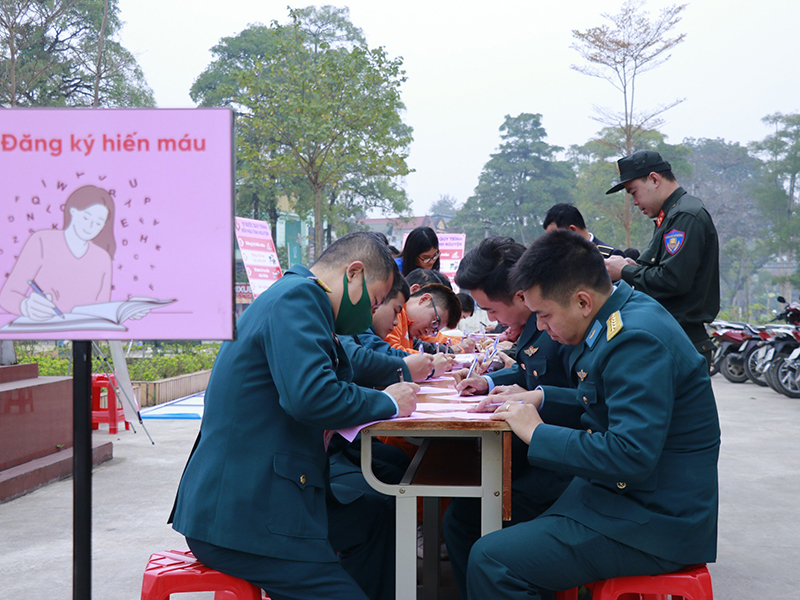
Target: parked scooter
[730, 338]
[783, 370]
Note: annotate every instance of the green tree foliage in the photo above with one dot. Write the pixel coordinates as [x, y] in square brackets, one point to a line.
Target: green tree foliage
[619, 52]
[318, 115]
[517, 186]
[446, 205]
[725, 176]
[778, 195]
[65, 53]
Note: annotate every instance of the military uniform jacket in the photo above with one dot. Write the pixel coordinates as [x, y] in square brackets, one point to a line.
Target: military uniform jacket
[257, 479]
[645, 458]
[540, 361]
[680, 267]
[374, 362]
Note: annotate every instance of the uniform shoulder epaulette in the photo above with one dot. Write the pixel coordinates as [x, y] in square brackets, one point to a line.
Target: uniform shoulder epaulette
[614, 325]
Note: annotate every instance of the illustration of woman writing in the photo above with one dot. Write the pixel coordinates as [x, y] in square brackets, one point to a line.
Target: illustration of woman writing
[71, 266]
[59, 270]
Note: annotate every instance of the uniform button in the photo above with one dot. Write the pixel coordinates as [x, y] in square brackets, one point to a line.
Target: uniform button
[535, 374]
[585, 400]
[303, 479]
[621, 485]
[653, 259]
[588, 431]
[523, 367]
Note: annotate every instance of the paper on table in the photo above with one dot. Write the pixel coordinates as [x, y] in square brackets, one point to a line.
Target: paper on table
[432, 389]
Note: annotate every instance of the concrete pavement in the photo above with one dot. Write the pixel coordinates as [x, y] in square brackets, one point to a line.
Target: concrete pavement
[759, 534]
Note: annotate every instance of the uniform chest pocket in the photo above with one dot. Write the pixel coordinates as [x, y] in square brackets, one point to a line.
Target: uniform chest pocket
[535, 368]
[296, 497]
[587, 393]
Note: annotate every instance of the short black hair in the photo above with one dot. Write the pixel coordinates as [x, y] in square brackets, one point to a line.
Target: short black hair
[364, 246]
[467, 303]
[561, 262]
[443, 297]
[400, 286]
[421, 239]
[564, 215]
[487, 266]
[668, 175]
[425, 276]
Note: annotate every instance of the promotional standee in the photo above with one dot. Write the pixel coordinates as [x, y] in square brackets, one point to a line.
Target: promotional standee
[258, 253]
[114, 224]
[451, 251]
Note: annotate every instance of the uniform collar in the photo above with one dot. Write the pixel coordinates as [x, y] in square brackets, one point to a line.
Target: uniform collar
[529, 332]
[618, 297]
[672, 200]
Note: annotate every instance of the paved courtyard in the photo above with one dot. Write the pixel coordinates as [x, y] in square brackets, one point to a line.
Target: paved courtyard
[759, 537]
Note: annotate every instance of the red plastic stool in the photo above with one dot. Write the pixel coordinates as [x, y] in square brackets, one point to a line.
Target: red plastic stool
[112, 414]
[691, 583]
[178, 571]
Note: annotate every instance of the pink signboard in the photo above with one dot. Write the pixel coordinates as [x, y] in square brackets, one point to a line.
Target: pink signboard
[116, 224]
[258, 253]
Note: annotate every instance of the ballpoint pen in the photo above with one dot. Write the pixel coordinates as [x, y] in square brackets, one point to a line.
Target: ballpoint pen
[400, 377]
[39, 291]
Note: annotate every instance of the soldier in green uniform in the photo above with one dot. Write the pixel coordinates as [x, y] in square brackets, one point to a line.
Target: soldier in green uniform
[643, 500]
[255, 500]
[484, 271]
[680, 267]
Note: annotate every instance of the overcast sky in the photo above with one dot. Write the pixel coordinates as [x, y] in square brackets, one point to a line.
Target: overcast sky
[471, 63]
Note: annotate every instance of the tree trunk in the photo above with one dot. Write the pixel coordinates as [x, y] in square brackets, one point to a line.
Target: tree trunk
[98, 69]
[317, 222]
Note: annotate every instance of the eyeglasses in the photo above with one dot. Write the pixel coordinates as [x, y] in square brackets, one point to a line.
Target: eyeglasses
[427, 261]
[437, 321]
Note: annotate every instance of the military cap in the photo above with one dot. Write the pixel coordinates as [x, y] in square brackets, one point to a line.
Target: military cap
[639, 164]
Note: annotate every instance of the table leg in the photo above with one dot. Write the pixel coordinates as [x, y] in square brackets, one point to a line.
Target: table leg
[406, 547]
[432, 531]
[491, 482]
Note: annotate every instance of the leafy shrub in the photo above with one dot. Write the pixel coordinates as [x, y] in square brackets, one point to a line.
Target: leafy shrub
[159, 361]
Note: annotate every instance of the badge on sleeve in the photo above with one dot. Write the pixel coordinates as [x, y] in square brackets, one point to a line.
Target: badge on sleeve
[674, 240]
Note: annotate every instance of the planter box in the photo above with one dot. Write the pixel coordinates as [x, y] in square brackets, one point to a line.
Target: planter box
[164, 390]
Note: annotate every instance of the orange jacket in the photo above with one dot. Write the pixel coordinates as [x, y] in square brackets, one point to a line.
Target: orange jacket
[399, 337]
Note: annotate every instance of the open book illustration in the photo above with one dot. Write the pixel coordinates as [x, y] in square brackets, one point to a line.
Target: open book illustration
[104, 315]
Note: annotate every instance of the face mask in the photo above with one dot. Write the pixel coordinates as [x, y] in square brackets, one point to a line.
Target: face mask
[353, 318]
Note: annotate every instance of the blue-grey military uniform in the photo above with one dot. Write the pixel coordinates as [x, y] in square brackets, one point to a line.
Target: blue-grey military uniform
[645, 492]
[539, 361]
[253, 494]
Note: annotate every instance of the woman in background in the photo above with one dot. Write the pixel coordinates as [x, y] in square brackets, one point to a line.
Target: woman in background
[421, 251]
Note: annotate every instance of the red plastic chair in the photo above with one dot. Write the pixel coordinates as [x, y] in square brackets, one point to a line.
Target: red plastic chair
[178, 571]
[691, 583]
[112, 414]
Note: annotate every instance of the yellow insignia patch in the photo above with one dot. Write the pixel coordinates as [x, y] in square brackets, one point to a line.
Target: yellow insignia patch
[614, 324]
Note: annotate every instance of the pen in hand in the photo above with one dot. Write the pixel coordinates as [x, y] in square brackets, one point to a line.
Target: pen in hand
[39, 291]
[400, 377]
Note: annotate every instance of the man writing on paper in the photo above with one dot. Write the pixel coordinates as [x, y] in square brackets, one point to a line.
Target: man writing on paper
[485, 272]
[252, 499]
[644, 497]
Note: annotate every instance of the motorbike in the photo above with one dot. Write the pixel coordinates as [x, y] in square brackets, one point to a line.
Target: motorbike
[730, 338]
[783, 368]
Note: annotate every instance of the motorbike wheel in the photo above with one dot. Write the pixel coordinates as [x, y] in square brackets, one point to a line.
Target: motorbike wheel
[750, 363]
[732, 372]
[769, 375]
[784, 375]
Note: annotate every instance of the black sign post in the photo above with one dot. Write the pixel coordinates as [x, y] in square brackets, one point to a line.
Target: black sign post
[82, 470]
